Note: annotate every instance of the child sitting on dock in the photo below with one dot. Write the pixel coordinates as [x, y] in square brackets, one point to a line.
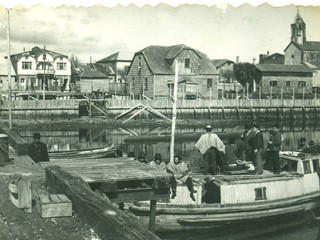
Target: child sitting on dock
[180, 173]
[158, 163]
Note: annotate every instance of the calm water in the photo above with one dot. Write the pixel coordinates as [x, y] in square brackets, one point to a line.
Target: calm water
[92, 138]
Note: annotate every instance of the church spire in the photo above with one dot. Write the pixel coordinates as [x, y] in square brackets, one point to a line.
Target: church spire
[298, 29]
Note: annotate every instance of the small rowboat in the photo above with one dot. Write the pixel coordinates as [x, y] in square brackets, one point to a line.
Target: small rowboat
[84, 153]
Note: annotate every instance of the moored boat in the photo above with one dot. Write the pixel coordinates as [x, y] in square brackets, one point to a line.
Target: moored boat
[83, 153]
[228, 200]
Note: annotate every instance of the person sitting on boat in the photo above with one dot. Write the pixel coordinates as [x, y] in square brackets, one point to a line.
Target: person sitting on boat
[158, 163]
[312, 147]
[38, 150]
[302, 143]
[180, 173]
[210, 146]
[258, 147]
[142, 158]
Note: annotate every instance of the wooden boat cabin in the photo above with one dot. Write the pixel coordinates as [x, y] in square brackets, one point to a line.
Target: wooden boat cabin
[222, 199]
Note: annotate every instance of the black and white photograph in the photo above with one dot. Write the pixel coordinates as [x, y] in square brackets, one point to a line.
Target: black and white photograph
[173, 120]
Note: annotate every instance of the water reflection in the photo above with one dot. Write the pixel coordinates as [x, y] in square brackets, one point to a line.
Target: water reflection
[92, 138]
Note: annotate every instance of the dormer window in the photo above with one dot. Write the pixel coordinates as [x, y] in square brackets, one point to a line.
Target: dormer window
[187, 63]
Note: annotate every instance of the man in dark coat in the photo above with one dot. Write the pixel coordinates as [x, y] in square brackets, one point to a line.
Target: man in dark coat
[38, 150]
[258, 147]
[274, 145]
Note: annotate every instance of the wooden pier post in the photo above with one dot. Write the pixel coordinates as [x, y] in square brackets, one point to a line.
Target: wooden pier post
[152, 217]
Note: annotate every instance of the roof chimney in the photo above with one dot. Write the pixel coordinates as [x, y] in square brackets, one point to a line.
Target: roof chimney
[268, 53]
[237, 59]
[254, 61]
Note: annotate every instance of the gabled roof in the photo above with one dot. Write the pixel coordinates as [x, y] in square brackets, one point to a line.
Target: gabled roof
[160, 59]
[36, 52]
[94, 71]
[283, 68]
[307, 46]
[118, 57]
[273, 58]
[220, 62]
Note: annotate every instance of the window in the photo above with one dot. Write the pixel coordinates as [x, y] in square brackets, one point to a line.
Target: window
[187, 63]
[145, 83]
[133, 81]
[306, 167]
[315, 163]
[61, 66]
[273, 83]
[260, 193]
[287, 83]
[22, 80]
[34, 81]
[292, 56]
[301, 83]
[209, 83]
[26, 65]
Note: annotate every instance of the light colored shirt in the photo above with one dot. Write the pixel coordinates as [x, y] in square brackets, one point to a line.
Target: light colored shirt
[178, 170]
[209, 140]
[162, 166]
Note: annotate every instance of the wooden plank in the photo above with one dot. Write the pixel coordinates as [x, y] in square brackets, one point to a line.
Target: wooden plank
[18, 144]
[51, 205]
[152, 217]
[108, 222]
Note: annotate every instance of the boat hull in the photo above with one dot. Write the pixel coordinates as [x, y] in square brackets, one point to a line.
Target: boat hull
[80, 154]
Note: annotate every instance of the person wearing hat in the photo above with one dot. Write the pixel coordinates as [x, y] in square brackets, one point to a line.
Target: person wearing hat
[38, 150]
[210, 145]
[158, 163]
[179, 171]
[312, 147]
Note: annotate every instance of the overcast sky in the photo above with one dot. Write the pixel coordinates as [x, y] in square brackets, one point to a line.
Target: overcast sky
[220, 31]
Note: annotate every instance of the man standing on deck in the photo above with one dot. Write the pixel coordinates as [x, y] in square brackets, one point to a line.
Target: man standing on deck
[38, 150]
[209, 146]
[258, 146]
[274, 146]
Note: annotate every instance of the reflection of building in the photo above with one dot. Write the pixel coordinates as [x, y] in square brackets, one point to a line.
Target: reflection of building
[152, 71]
[41, 68]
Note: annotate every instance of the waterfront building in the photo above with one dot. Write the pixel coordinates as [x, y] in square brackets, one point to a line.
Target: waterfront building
[300, 70]
[152, 71]
[119, 62]
[40, 69]
[96, 77]
[227, 82]
[4, 77]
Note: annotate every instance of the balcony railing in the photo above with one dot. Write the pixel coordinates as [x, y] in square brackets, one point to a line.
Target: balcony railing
[47, 71]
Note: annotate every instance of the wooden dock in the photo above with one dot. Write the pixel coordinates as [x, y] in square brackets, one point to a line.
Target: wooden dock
[120, 180]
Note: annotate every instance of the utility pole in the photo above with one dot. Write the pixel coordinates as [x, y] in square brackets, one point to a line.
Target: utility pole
[174, 111]
[9, 71]
[44, 73]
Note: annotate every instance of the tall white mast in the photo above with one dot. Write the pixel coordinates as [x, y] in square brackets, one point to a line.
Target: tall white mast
[174, 110]
[9, 71]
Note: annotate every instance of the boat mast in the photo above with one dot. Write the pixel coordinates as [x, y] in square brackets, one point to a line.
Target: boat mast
[9, 71]
[174, 110]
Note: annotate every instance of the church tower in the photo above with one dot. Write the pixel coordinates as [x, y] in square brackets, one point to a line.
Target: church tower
[298, 30]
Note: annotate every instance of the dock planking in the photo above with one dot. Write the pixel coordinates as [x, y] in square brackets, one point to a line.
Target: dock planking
[109, 169]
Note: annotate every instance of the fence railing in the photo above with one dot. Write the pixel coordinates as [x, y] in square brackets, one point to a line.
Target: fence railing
[167, 103]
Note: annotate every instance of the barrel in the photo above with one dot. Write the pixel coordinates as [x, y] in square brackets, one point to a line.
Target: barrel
[4, 149]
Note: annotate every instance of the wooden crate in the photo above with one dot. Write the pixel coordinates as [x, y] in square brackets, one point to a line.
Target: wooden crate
[54, 205]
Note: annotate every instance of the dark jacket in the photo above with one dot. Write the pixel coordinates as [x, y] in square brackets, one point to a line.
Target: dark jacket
[258, 141]
[275, 140]
[39, 152]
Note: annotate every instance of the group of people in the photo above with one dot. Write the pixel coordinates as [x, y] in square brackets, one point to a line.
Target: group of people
[252, 149]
